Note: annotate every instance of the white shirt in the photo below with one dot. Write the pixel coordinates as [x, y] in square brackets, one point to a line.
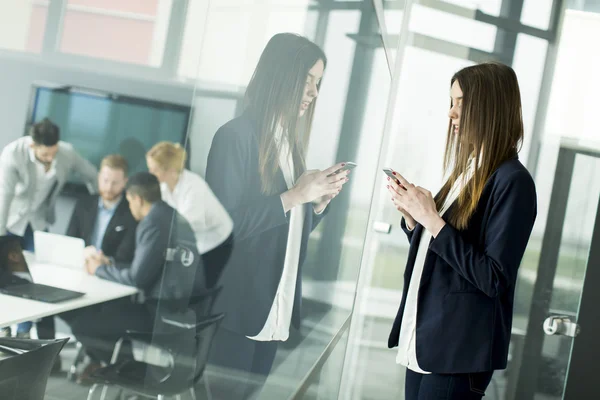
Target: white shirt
[196, 202]
[277, 326]
[44, 181]
[407, 349]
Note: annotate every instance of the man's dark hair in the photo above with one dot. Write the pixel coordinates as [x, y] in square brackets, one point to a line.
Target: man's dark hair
[45, 133]
[145, 185]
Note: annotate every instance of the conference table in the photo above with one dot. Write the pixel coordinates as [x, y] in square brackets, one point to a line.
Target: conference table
[14, 310]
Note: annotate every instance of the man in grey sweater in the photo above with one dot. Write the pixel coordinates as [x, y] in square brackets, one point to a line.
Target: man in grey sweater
[33, 171]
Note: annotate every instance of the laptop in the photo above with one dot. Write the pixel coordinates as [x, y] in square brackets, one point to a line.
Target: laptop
[16, 279]
[64, 251]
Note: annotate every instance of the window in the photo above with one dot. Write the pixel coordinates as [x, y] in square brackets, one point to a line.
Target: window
[536, 13]
[222, 42]
[491, 7]
[132, 31]
[22, 25]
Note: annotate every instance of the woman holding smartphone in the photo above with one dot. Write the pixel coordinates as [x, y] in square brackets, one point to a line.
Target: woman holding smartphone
[453, 325]
[256, 168]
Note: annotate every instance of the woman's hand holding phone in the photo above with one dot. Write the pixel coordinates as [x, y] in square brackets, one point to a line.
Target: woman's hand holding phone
[317, 187]
[396, 189]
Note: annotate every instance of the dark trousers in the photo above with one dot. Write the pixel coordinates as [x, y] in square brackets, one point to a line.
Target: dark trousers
[27, 239]
[215, 261]
[99, 327]
[248, 363]
[45, 328]
[446, 386]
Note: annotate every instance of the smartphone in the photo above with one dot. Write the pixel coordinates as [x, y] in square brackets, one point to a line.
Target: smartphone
[390, 172]
[349, 165]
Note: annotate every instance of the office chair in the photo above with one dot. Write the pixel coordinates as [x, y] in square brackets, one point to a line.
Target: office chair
[188, 346]
[25, 365]
[202, 304]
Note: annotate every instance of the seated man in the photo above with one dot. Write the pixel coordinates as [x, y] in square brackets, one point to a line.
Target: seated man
[160, 229]
[104, 221]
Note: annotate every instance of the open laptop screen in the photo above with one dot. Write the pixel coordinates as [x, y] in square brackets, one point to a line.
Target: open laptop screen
[13, 266]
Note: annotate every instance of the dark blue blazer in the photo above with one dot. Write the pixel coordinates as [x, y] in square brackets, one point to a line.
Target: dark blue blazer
[466, 294]
[254, 270]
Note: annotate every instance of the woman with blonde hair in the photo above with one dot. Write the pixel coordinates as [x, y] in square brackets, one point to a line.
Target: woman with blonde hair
[191, 196]
[453, 325]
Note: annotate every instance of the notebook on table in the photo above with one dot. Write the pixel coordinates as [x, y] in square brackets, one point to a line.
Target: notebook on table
[61, 250]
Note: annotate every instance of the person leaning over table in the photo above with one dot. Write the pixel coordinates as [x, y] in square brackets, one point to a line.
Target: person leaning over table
[33, 171]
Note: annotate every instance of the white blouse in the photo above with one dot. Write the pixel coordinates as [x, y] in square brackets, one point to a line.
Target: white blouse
[196, 202]
[407, 350]
[277, 326]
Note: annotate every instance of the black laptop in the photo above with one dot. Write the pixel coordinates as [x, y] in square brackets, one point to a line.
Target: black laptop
[16, 280]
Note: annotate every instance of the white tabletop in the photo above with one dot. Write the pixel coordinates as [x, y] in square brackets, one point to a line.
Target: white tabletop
[15, 309]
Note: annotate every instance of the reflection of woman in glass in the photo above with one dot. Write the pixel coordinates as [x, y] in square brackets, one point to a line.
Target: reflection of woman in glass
[454, 322]
[256, 167]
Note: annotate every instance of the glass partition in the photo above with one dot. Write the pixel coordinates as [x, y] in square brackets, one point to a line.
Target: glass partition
[346, 127]
[208, 255]
[222, 252]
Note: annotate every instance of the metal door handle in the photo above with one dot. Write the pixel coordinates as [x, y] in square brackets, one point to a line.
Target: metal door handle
[561, 325]
[382, 227]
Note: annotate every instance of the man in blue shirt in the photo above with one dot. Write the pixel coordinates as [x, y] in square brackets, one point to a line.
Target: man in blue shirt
[104, 221]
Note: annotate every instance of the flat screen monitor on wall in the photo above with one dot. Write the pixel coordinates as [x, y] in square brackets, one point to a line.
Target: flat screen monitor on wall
[99, 123]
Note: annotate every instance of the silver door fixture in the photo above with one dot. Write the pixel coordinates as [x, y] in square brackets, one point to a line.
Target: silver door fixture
[382, 227]
[561, 325]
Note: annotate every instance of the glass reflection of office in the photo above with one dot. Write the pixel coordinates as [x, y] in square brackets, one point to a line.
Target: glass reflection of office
[196, 74]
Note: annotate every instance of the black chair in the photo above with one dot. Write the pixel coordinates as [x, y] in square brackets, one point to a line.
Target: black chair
[188, 346]
[25, 366]
[175, 333]
[202, 303]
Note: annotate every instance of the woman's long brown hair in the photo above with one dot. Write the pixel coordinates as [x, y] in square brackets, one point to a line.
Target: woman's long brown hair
[490, 132]
[273, 99]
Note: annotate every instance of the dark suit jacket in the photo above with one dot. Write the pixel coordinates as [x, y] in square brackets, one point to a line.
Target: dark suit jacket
[119, 238]
[149, 271]
[252, 275]
[467, 289]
